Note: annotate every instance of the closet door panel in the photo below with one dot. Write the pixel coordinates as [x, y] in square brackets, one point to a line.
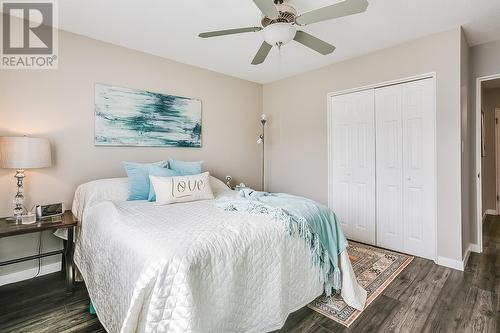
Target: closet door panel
[354, 164]
[341, 126]
[389, 129]
[363, 180]
[418, 168]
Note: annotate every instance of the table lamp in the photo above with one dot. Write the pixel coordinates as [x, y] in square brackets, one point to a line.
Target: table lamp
[22, 153]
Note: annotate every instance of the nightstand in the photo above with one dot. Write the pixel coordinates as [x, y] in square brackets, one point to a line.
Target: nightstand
[68, 221]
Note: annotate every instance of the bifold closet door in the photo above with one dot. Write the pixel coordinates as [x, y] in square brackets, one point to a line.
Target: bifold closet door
[405, 116]
[419, 154]
[353, 153]
[389, 129]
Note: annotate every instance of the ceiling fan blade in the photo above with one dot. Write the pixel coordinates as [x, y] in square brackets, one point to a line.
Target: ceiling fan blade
[344, 8]
[262, 54]
[229, 32]
[267, 8]
[314, 43]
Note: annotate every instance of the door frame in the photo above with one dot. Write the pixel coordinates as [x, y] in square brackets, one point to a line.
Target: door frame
[478, 175]
[497, 159]
[430, 75]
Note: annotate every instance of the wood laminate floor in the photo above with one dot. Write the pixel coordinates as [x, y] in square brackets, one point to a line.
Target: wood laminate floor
[425, 297]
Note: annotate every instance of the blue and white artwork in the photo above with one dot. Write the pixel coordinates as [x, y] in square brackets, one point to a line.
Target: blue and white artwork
[130, 117]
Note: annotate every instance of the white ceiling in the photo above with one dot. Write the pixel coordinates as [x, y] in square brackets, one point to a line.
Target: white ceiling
[169, 28]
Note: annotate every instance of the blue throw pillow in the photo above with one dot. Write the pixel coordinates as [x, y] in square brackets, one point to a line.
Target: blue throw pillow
[138, 175]
[159, 172]
[186, 168]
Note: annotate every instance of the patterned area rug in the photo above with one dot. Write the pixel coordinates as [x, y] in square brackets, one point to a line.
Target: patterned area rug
[375, 269]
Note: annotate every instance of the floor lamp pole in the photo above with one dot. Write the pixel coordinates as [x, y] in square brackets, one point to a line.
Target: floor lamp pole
[263, 121]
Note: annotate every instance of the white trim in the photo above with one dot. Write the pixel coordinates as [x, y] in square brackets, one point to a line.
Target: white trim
[329, 147]
[466, 257]
[430, 75]
[451, 263]
[474, 248]
[29, 273]
[382, 84]
[479, 195]
[491, 212]
[471, 248]
[483, 217]
[436, 233]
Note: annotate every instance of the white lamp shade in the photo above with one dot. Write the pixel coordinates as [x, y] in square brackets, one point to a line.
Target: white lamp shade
[24, 153]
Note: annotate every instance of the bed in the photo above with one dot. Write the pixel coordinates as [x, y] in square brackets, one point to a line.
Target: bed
[192, 267]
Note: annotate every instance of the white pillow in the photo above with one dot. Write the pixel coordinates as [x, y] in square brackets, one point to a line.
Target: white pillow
[97, 191]
[219, 188]
[182, 188]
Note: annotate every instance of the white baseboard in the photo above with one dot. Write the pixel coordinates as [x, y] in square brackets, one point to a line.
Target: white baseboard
[474, 248]
[466, 257]
[29, 273]
[491, 212]
[451, 263]
[457, 264]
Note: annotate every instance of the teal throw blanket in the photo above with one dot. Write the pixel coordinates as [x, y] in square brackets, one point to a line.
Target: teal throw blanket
[302, 217]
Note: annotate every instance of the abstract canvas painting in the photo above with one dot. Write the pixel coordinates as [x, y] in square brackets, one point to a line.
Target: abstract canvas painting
[130, 117]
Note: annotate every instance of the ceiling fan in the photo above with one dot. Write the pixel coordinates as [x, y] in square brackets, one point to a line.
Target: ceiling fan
[280, 22]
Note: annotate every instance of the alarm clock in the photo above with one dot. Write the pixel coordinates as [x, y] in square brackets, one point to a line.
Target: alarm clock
[49, 211]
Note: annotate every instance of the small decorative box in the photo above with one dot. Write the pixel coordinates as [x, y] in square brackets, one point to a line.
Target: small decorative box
[29, 218]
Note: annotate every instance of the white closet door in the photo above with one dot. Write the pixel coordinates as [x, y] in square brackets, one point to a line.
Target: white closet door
[418, 105]
[405, 116]
[353, 165]
[389, 131]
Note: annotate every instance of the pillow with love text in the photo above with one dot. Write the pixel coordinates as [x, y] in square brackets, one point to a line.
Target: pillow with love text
[182, 188]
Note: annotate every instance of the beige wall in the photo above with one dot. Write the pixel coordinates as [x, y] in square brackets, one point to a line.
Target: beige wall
[297, 136]
[59, 105]
[491, 100]
[484, 61]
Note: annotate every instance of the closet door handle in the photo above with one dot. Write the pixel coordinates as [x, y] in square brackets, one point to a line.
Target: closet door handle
[408, 179]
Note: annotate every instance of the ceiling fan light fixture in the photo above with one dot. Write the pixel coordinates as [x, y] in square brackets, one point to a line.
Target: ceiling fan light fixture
[280, 20]
[279, 33]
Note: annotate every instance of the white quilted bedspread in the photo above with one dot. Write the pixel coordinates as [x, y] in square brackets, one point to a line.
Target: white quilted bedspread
[191, 267]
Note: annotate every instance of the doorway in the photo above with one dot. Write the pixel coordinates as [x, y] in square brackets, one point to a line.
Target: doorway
[487, 150]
